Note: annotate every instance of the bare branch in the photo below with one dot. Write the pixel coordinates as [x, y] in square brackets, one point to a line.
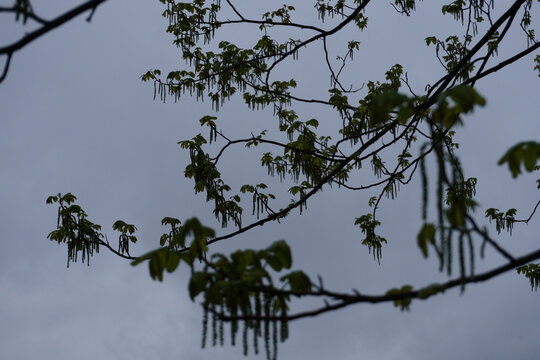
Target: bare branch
[47, 27]
[526, 221]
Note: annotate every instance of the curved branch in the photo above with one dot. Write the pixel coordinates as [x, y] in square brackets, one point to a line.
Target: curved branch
[526, 221]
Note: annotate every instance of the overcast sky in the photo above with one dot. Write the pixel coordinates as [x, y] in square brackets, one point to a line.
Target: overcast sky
[75, 117]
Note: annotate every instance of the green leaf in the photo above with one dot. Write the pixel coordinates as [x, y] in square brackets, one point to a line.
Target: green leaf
[145, 257]
[383, 104]
[68, 198]
[404, 113]
[119, 225]
[170, 221]
[239, 259]
[163, 239]
[200, 235]
[52, 199]
[282, 253]
[530, 155]
[173, 260]
[313, 122]
[430, 290]
[431, 40]
[527, 153]
[403, 303]
[466, 98]
[426, 235]
[295, 190]
[57, 235]
[197, 283]
[298, 281]
[156, 265]
[208, 120]
[187, 258]
[273, 261]
[531, 272]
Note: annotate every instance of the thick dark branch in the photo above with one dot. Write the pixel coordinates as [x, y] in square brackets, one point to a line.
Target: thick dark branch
[374, 299]
[234, 9]
[492, 50]
[50, 25]
[504, 63]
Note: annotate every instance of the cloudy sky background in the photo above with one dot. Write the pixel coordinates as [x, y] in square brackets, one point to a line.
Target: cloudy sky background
[76, 117]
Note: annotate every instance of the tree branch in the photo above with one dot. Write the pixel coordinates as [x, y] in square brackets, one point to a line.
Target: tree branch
[504, 63]
[285, 146]
[374, 299]
[526, 221]
[490, 240]
[463, 62]
[9, 50]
